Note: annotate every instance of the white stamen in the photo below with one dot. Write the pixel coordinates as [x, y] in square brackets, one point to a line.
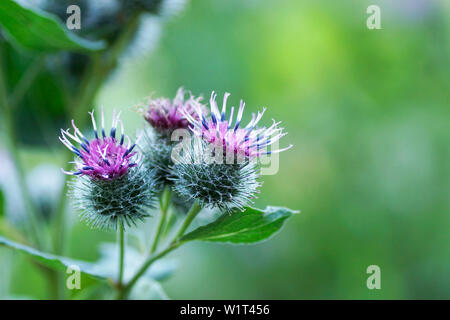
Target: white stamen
[231, 117]
[103, 118]
[260, 114]
[121, 126]
[76, 130]
[93, 120]
[113, 118]
[225, 98]
[71, 136]
[284, 149]
[67, 172]
[66, 143]
[241, 111]
[214, 108]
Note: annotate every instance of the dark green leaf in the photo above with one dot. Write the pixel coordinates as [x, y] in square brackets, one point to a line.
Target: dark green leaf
[252, 225]
[38, 30]
[53, 261]
[106, 267]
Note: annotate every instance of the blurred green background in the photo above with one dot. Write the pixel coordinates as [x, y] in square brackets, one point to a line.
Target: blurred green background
[368, 114]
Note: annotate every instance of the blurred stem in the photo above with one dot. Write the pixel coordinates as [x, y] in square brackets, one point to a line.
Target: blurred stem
[195, 209]
[11, 142]
[170, 221]
[126, 290]
[121, 240]
[164, 205]
[26, 80]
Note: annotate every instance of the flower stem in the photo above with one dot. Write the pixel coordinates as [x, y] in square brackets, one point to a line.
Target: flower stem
[164, 205]
[121, 240]
[126, 289]
[195, 209]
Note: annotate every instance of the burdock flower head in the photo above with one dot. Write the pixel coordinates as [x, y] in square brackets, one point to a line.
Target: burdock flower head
[249, 141]
[166, 115]
[111, 187]
[221, 170]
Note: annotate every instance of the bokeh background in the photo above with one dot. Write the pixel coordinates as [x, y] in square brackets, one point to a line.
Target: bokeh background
[368, 114]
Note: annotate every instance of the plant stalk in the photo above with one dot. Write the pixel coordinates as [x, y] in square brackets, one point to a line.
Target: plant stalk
[127, 288]
[164, 205]
[195, 209]
[121, 240]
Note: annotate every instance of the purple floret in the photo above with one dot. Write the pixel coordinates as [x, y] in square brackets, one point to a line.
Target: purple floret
[103, 157]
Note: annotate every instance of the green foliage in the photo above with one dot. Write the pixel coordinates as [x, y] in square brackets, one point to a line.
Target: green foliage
[251, 226]
[42, 32]
[105, 268]
[53, 261]
[366, 111]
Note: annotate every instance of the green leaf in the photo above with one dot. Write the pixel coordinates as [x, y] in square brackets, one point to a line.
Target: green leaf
[105, 268]
[38, 30]
[53, 261]
[252, 225]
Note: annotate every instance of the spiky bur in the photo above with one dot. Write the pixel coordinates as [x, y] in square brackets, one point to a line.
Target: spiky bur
[111, 186]
[164, 116]
[106, 203]
[220, 170]
[156, 156]
[214, 185]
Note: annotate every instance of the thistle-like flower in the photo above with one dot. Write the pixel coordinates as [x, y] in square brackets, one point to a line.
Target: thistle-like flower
[206, 172]
[104, 158]
[249, 141]
[111, 187]
[166, 115]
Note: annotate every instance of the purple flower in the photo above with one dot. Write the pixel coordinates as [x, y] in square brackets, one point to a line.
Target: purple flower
[102, 158]
[249, 141]
[165, 115]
